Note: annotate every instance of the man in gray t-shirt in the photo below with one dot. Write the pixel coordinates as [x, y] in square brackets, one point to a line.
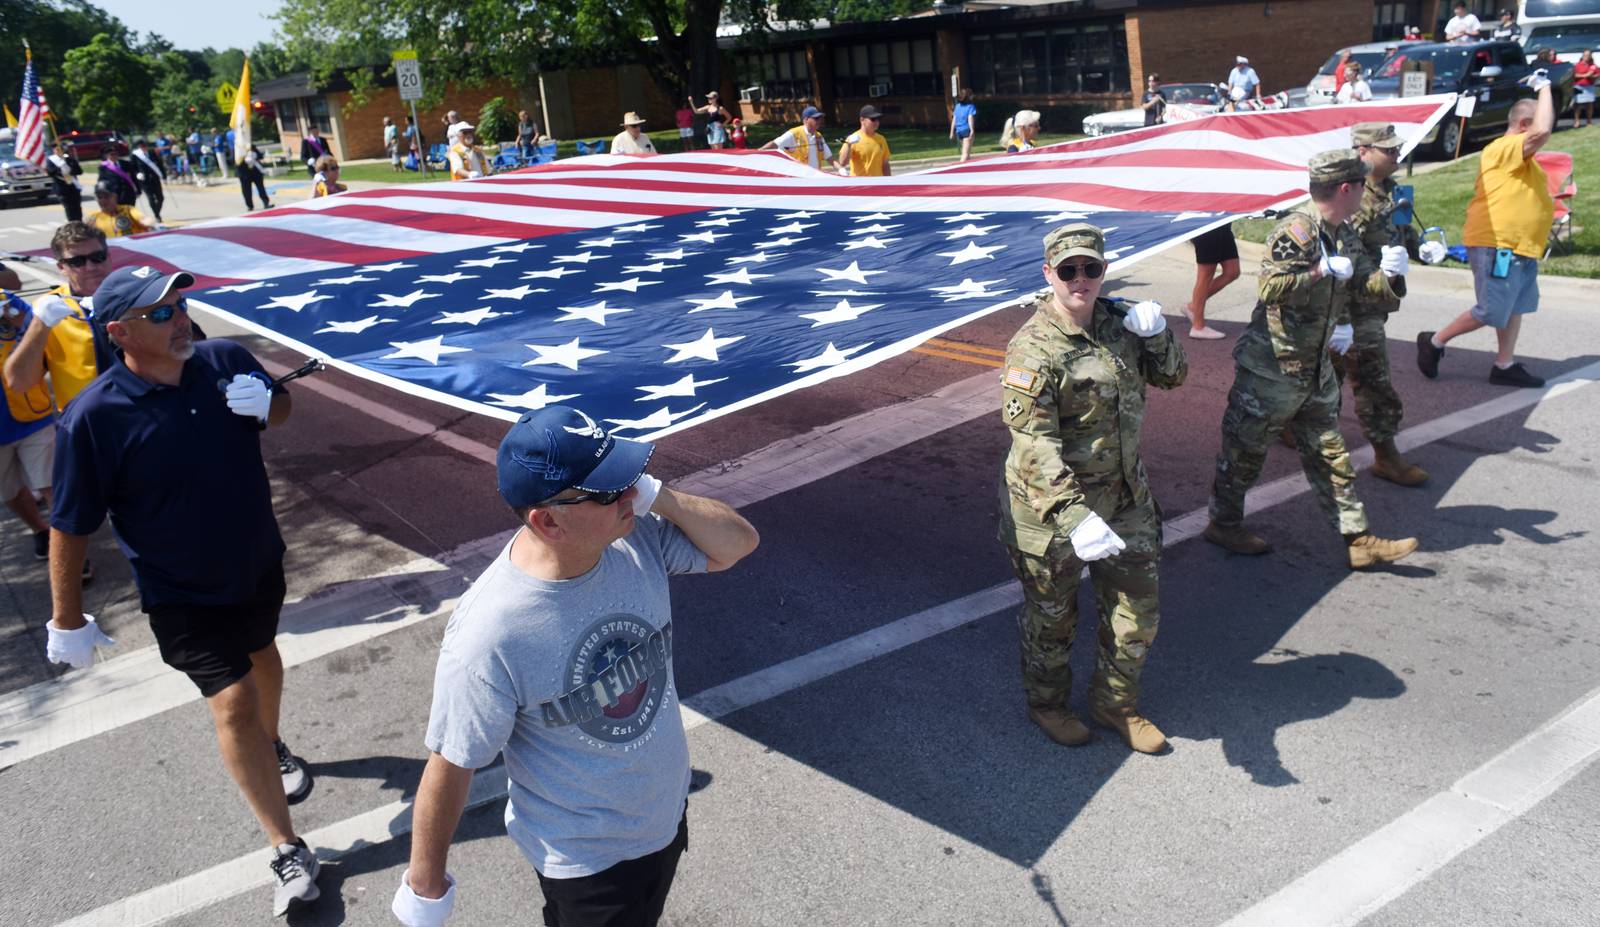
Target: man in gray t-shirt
[560, 658]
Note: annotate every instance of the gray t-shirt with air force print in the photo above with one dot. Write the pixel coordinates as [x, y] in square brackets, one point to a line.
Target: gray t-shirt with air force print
[572, 680]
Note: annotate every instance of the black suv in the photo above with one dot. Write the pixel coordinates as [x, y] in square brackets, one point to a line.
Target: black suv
[1491, 71]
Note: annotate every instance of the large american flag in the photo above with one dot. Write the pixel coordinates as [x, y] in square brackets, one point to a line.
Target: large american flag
[30, 118]
[656, 293]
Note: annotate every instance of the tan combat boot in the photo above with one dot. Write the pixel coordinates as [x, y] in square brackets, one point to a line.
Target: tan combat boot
[1060, 725]
[1235, 538]
[1369, 550]
[1387, 464]
[1137, 732]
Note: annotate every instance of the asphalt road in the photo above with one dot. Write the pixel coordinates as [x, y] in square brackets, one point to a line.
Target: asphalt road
[1346, 746]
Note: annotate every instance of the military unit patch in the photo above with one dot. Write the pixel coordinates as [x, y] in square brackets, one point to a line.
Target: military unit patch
[1014, 408]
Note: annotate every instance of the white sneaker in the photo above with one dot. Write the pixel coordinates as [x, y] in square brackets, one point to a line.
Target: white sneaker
[296, 779]
[294, 875]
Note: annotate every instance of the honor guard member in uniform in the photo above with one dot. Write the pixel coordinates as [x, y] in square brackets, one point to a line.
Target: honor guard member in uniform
[1366, 364]
[1074, 490]
[1284, 378]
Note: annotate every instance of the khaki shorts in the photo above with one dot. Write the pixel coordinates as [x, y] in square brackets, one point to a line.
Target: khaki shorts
[27, 463]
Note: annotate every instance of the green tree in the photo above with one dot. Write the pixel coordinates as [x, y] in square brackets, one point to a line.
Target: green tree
[497, 121]
[179, 85]
[52, 27]
[110, 84]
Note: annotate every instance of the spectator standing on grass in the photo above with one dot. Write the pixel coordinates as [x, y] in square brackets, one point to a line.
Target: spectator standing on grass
[685, 119]
[391, 143]
[963, 122]
[717, 117]
[865, 153]
[250, 176]
[413, 142]
[1214, 251]
[1462, 27]
[452, 132]
[1155, 102]
[1584, 76]
[1508, 224]
[527, 135]
[1355, 88]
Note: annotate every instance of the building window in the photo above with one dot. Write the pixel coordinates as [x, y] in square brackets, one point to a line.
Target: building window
[317, 111]
[903, 68]
[1389, 20]
[1090, 58]
[781, 75]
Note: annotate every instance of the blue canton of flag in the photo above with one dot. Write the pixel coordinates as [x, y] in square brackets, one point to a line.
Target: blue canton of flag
[657, 325]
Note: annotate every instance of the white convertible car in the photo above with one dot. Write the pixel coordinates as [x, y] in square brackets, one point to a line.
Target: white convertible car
[1183, 101]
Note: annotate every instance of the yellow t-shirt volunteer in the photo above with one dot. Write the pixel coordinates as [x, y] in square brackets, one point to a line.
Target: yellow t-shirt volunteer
[1511, 207]
[69, 352]
[868, 154]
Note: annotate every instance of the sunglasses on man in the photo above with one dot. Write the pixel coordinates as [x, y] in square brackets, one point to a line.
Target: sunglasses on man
[78, 260]
[598, 498]
[160, 315]
[1091, 271]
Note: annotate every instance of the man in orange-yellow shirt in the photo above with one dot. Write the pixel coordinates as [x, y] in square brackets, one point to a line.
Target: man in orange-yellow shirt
[1508, 223]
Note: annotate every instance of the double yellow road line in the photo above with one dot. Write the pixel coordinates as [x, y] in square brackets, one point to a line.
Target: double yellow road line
[960, 351]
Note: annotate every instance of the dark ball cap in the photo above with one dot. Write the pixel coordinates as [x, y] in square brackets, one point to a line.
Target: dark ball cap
[557, 448]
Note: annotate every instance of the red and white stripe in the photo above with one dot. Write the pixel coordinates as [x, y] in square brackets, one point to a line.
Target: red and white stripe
[30, 119]
[1235, 163]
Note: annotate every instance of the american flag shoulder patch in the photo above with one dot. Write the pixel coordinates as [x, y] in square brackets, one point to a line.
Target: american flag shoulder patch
[1023, 380]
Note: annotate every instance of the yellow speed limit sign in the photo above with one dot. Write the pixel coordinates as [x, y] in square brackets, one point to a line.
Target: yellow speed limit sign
[225, 96]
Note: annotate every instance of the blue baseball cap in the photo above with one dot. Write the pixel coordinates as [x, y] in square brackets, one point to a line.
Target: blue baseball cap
[810, 112]
[131, 287]
[558, 448]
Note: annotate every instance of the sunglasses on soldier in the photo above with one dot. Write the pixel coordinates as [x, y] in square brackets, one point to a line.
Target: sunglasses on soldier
[1091, 271]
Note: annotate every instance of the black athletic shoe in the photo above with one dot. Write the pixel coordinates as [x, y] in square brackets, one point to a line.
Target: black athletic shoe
[1515, 375]
[41, 545]
[296, 778]
[1428, 355]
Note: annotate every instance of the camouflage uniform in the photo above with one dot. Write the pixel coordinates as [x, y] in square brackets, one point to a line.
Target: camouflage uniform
[1074, 401]
[1284, 377]
[1366, 364]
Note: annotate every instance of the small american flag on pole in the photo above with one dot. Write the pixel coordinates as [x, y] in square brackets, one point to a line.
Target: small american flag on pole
[659, 292]
[30, 118]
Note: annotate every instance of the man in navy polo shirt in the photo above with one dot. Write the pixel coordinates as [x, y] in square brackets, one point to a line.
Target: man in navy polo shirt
[167, 443]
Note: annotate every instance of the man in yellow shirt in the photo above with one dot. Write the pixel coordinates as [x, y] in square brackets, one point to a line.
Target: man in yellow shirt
[866, 153]
[61, 339]
[804, 142]
[1508, 223]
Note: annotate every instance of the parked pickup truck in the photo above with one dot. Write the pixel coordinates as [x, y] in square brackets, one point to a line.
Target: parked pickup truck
[1490, 71]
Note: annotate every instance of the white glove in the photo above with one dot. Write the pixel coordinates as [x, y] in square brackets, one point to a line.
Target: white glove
[1343, 337]
[474, 175]
[1538, 80]
[249, 396]
[413, 910]
[51, 310]
[1395, 261]
[75, 647]
[1093, 539]
[1145, 319]
[647, 488]
[1338, 267]
[1432, 252]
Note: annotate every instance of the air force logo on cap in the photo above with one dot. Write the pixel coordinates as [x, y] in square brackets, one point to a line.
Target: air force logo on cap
[558, 448]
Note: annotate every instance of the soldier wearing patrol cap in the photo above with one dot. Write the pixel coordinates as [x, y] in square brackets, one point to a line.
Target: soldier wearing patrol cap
[1366, 364]
[1283, 377]
[1074, 490]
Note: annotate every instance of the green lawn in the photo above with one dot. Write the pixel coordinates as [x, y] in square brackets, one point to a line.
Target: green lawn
[1442, 198]
[907, 145]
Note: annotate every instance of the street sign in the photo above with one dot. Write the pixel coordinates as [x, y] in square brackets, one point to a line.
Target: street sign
[1465, 104]
[408, 74]
[225, 97]
[1413, 84]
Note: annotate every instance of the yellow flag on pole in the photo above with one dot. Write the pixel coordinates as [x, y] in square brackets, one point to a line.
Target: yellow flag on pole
[240, 121]
[11, 119]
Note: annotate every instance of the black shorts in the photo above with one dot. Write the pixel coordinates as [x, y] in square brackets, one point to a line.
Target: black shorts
[1216, 246]
[630, 894]
[212, 644]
